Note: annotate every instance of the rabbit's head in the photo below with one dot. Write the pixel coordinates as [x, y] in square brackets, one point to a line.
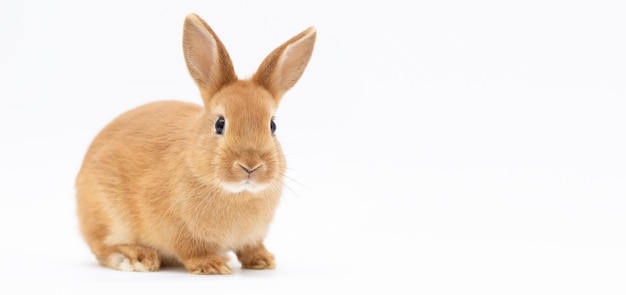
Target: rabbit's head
[235, 148]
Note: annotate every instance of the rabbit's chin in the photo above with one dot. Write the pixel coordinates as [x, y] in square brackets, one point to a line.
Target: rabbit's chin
[247, 185]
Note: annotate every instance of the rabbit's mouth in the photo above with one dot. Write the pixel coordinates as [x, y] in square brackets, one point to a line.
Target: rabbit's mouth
[246, 185]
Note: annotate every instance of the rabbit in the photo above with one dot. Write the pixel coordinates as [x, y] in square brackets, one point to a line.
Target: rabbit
[172, 182]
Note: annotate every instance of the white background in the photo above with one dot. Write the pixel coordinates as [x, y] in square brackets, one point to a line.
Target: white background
[435, 147]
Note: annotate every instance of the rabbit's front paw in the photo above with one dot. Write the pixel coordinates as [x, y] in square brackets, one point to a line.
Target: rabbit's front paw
[256, 258]
[212, 265]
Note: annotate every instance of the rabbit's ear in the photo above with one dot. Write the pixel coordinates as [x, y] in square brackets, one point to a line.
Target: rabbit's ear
[282, 68]
[207, 60]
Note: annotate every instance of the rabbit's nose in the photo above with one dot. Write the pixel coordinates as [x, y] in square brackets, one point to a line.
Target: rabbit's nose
[249, 170]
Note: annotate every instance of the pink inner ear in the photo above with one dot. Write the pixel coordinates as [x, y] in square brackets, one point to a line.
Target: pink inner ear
[207, 60]
[201, 53]
[207, 51]
[287, 65]
[293, 61]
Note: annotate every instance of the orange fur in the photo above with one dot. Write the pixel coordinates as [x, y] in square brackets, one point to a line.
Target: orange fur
[159, 184]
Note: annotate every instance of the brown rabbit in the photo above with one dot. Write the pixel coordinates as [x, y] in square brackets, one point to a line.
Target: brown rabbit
[180, 183]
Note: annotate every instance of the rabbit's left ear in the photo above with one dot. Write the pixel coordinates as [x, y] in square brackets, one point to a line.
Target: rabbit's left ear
[282, 68]
[207, 59]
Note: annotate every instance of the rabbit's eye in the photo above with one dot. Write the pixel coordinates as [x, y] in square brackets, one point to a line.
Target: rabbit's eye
[273, 126]
[219, 125]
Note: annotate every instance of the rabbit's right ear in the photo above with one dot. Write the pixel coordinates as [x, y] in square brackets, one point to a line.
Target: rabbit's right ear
[280, 70]
[207, 60]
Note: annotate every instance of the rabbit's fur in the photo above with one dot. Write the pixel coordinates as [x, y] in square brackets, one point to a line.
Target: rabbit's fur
[160, 183]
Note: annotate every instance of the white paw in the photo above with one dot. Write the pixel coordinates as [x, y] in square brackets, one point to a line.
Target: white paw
[121, 262]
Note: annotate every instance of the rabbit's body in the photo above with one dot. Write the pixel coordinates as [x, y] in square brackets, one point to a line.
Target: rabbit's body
[174, 181]
[143, 180]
